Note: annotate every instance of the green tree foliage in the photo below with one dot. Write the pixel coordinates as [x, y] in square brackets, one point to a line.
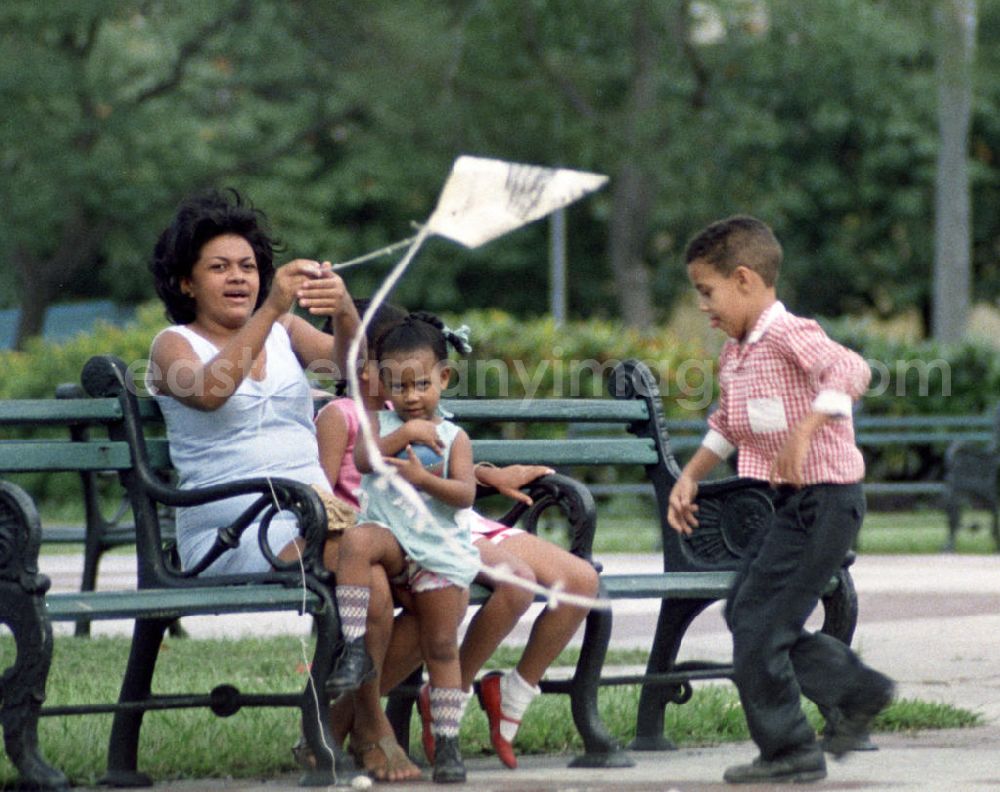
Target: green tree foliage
[341, 119]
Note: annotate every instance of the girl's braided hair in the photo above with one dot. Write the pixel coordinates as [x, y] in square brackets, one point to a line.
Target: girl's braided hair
[418, 330]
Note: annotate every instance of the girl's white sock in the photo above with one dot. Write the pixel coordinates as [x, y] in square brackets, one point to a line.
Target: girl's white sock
[515, 696]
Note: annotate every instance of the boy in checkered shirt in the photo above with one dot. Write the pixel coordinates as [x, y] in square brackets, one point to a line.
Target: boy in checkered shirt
[786, 395]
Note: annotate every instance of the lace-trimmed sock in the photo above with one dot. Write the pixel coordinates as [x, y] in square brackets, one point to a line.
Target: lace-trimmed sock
[352, 603]
[447, 708]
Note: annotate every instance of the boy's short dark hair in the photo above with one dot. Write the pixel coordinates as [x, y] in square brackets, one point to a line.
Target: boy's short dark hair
[737, 241]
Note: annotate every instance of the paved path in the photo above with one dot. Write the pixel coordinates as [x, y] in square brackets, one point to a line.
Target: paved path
[932, 622]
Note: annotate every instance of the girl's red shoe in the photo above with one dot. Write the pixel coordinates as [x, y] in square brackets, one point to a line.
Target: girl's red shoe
[489, 700]
[427, 733]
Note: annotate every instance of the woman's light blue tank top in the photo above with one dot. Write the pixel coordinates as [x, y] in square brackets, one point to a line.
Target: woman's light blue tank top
[264, 429]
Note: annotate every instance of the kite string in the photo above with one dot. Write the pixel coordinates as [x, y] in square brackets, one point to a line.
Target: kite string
[391, 476]
[387, 474]
[384, 251]
[303, 647]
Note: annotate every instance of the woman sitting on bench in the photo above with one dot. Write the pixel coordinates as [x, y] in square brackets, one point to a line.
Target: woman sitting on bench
[228, 377]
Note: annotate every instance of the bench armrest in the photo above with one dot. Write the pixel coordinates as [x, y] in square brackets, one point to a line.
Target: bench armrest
[108, 376]
[275, 495]
[971, 469]
[968, 452]
[572, 498]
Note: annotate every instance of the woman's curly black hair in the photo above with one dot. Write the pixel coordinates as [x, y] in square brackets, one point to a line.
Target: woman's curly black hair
[199, 220]
[418, 330]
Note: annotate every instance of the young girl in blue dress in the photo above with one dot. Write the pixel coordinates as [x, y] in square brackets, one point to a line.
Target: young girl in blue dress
[433, 558]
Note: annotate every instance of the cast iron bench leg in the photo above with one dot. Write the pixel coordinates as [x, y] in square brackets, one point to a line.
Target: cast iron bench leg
[123, 745]
[674, 619]
[953, 509]
[22, 609]
[600, 748]
[316, 703]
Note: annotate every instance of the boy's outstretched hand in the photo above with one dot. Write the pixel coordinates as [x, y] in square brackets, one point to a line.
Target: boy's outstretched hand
[681, 508]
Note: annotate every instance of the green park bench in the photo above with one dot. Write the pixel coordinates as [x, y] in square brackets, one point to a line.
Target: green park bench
[697, 570]
[971, 476]
[965, 448]
[26, 419]
[163, 593]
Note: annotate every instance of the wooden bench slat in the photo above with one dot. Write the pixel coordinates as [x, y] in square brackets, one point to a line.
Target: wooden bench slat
[914, 437]
[877, 422]
[77, 534]
[19, 456]
[63, 412]
[23, 456]
[675, 585]
[20, 412]
[904, 487]
[576, 410]
[871, 488]
[589, 451]
[174, 603]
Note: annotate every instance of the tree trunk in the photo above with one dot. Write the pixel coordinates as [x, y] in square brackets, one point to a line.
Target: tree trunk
[632, 193]
[35, 300]
[42, 279]
[630, 210]
[956, 25]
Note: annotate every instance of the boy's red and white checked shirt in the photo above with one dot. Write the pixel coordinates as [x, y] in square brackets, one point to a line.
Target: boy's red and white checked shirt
[787, 368]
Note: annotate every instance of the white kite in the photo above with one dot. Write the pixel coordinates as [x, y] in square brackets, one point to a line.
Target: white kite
[482, 199]
[485, 198]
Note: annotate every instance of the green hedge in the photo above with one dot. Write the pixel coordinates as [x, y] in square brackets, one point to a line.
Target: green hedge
[516, 358]
[35, 372]
[513, 358]
[925, 377]
[538, 357]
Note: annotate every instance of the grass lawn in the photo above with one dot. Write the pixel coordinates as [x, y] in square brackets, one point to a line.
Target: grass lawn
[925, 531]
[255, 742]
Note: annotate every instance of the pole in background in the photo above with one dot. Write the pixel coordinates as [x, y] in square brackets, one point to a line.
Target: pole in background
[557, 266]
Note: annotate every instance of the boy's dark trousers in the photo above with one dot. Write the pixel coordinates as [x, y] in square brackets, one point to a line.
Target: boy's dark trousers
[774, 658]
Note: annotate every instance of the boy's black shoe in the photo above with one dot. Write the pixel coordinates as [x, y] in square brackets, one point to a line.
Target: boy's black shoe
[448, 767]
[353, 667]
[859, 714]
[798, 766]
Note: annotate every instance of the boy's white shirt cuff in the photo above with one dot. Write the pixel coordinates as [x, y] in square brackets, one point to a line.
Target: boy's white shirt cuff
[718, 445]
[831, 402]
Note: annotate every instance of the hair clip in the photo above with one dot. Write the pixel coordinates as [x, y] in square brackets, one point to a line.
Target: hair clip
[459, 338]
